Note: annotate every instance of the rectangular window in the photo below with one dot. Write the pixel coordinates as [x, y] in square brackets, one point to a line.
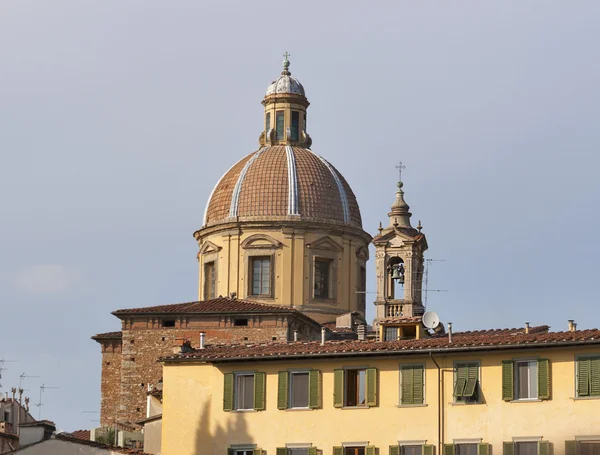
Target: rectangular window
[466, 449]
[299, 389]
[588, 376]
[240, 322]
[362, 287]
[589, 448]
[526, 448]
[295, 125]
[322, 277]
[279, 124]
[209, 280]
[412, 384]
[466, 382]
[526, 379]
[411, 450]
[267, 122]
[244, 391]
[167, 323]
[354, 451]
[391, 333]
[261, 276]
[355, 387]
[303, 451]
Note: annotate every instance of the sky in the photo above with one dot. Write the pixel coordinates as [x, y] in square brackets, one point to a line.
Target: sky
[118, 117]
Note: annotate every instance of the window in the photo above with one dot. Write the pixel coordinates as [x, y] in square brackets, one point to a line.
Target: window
[209, 280]
[299, 389]
[240, 322]
[279, 125]
[244, 391]
[305, 123]
[391, 333]
[167, 323]
[411, 450]
[355, 387]
[296, 450]
[588, 377]
[588, 448]
[245, 452]
[466, 449]
[361, 297]
[412, 384]
[364, 450]
[267, 122]
[466, 382]
[295, 125]
[526, 448]
[414, 449]
[526, 379]
[322, 276]
[261, 276]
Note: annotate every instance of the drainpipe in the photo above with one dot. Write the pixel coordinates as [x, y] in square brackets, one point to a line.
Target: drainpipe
[440, 405]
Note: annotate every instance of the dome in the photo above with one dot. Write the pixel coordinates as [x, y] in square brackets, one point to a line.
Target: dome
[285, 84]
[283, 183]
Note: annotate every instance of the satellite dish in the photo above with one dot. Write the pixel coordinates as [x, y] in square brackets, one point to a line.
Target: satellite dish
[431, 320]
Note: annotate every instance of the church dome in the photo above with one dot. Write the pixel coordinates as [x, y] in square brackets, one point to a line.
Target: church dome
[285, 84]
[283, 183]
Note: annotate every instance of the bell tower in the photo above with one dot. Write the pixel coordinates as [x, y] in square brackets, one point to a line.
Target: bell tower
[399, 262]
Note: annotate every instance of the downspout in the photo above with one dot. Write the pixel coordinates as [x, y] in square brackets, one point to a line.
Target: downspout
[440, 406]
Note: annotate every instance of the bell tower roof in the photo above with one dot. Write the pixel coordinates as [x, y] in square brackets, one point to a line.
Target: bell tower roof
[400, 215]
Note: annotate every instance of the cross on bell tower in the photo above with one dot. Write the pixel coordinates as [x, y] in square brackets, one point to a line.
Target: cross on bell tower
[399, 261]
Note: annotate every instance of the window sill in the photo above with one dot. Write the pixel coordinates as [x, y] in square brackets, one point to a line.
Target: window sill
[243, 410]
[412, 405]
[459, 403]
[355, 407]
[585, 398]
[298, 409]
[527, 400]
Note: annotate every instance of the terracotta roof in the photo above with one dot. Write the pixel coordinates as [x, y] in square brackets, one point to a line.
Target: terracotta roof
[263, 186]
[69, 438]
[108, 336]
[401, 319]
[461, 341]
[218, 305]
[335, 329]
[84, 435]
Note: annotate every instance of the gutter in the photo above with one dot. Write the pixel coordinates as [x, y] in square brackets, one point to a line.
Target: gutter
[440, 406]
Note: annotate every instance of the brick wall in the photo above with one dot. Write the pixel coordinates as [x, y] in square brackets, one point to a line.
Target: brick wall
[111, 378]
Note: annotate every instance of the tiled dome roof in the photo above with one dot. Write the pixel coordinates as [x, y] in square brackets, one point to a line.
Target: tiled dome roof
[283, 183]
[285, 84]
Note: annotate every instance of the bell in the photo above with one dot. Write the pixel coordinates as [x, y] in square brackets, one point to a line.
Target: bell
[396, 275]
[401, 279]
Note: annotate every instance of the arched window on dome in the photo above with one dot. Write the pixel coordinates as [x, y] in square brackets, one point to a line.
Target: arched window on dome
[295, 125]
[279, 125]
[267, 122]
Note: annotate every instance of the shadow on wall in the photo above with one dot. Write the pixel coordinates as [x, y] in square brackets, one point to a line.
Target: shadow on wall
[214, 438]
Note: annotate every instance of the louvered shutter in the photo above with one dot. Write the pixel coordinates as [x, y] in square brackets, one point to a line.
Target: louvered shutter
[312, 451]
[507, 380]
[448, 449]
[418, 385]
[370, 450]
[483, 448]
[282, 390]
[570, 447]
[228, 392]
[461, 380]
[583, 377]
[543, 448]
[229, 451]
[428, 449]
[314, 389]
[472, 377]
[338, 450]
[595, 377]
[257, 451]
[543, 379]
[371, 387]
[407, 385]
[281, 451]
[338, 390]
[508, 448]
[259, 391]
[394, 450]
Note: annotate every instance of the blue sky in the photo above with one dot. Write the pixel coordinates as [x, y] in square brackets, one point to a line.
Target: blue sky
[118, 117]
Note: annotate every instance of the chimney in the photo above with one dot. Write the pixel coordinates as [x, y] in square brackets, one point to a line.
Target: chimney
[362, 332]
[202, 336]
[571, 325]
[450, 332]
[322, 336]
[527, 328]
[295, 335]
[574, 327]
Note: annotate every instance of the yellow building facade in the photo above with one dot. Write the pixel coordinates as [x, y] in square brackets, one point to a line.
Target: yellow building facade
[536, 393]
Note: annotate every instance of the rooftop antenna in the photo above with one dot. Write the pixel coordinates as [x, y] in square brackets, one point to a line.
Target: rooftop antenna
[2, 367]
[24, 376]
[43, 388]
[426, 280]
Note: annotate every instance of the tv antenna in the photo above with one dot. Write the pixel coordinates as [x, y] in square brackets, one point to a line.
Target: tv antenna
[24, 376]
[426, 289]
[2, 367]
[43, 388]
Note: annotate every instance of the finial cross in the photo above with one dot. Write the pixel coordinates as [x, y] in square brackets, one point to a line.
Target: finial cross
[286, 55]
[400, 168]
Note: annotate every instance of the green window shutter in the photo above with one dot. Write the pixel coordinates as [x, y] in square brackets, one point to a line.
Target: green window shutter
[507, 381]
[483, 448]
[583, 377]
[338, 391]
[461, 380]
[312, 451]
[228, 392]
[259, 391]
[595, 377]
[229, 451]
[281, 451]
[428, 449]
[508, 448]
[394, 450]
[338, 450]
[570, 447]
[418, 385]
[407, 385]
[282, 391]
[543, 448]
[371, 387]
[448, 449]
[314, 389]
[370, 450]
[257, 451]
[543, 379]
